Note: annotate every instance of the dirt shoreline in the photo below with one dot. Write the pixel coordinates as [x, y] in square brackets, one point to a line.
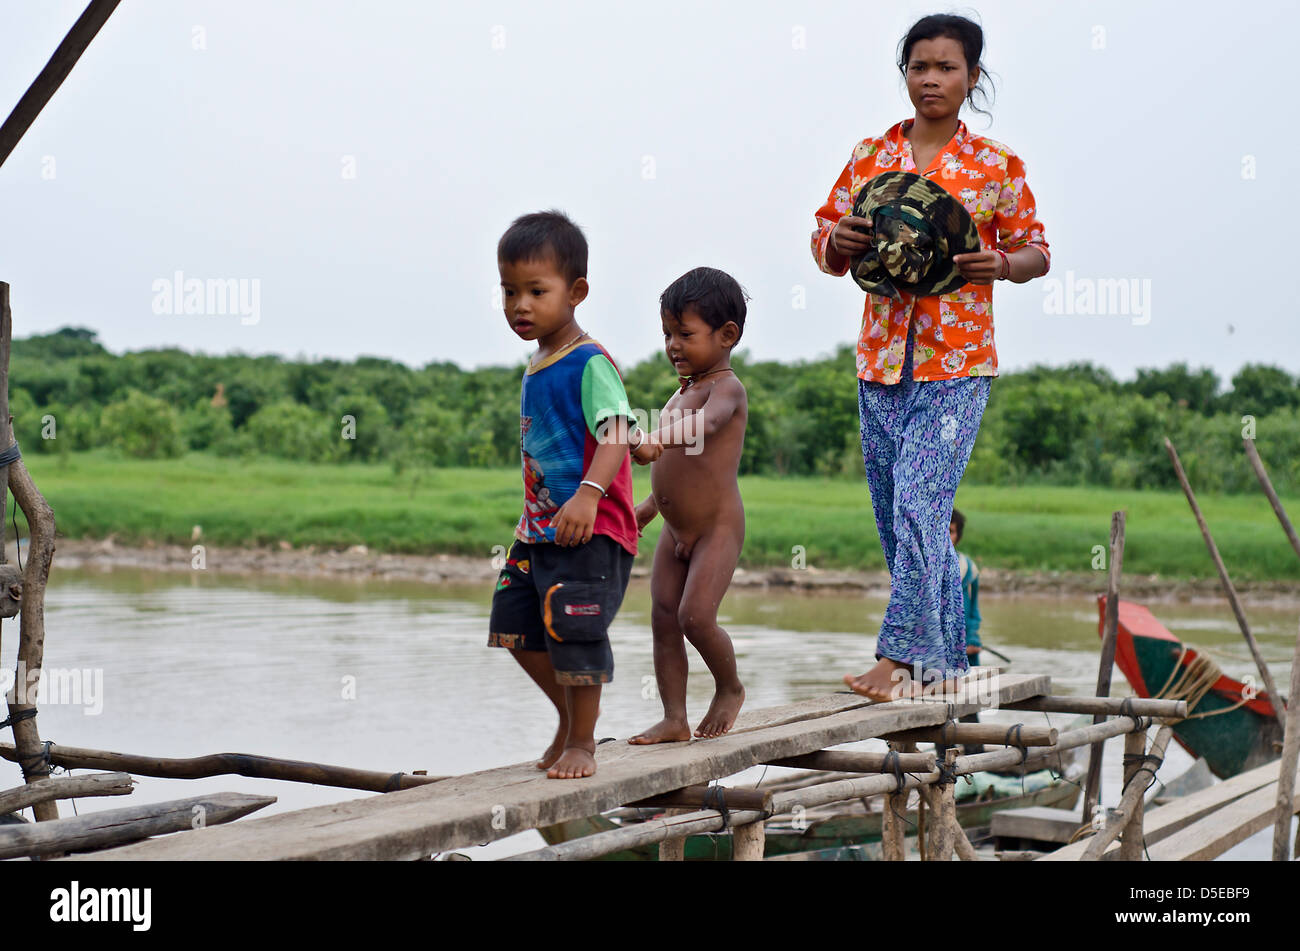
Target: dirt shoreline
[361, 564]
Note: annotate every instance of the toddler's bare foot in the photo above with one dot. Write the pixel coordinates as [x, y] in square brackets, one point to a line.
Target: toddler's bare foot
[665, 731]
[722, 713]
[888, 680]
[574, 763]
[555, 749]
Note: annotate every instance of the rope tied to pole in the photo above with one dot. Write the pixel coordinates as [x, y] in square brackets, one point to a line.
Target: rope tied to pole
[715, 797]
[1145, 759]
[32, 763]
[1126, 710]
[10, 455]
[1019, 743]
[894, 764]
[18, 717]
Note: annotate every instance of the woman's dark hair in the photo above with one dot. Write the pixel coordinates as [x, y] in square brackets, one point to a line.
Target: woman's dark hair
[960, 521]
[714, 294]
[964, 31]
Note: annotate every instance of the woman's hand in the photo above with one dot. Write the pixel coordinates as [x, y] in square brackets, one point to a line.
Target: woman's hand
[979, 267]
[847, 242]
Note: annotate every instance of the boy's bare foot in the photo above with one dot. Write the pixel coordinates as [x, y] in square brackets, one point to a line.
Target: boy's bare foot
[888, 680]
[574, 763]
[665, 731]
[555, 749]
[722, 712]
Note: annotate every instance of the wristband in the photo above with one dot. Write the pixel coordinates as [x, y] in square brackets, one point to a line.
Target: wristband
[594, 485]
[1006, 265]
[641, 442]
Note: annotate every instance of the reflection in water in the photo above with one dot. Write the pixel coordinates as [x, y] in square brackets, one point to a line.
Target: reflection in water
[395, 676]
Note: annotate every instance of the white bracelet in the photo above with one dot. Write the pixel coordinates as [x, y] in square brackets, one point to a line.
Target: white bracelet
[594, 485]
[641, 441]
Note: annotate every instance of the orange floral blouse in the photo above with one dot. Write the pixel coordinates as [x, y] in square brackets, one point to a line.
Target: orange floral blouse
[954, 332]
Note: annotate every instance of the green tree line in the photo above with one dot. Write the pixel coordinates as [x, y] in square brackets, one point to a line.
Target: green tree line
[1072, 425]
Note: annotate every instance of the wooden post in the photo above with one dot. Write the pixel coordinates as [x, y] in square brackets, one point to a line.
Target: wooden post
[748, 842]
[1290, 754]
[945, 815]
[228, 764]
[673, 850]
[1128, 802]
[51, 77]
[31, 626]
[1229, 589]
[1130, 849]
[892, 829]
[1092, 787]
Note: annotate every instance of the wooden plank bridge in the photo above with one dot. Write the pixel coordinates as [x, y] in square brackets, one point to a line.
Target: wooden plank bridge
[481, 807]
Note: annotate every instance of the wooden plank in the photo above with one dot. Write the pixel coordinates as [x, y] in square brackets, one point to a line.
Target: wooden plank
[1210, 837]
[115, 826]
[1163, 822]
[489, 805]
[1041, 823]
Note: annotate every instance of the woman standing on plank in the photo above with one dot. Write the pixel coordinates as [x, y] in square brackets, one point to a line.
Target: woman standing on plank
[925, 363]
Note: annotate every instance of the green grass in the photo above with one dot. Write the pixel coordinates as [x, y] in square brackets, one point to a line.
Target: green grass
[468, 511]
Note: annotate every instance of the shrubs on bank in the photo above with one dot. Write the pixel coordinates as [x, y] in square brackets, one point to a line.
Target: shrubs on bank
[1072, 425]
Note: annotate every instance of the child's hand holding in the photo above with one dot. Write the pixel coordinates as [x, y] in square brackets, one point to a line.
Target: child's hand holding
[648, 451]
[576, 518]
[645, 514]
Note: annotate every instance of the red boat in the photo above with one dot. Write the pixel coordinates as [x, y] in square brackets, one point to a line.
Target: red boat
[1230, 724]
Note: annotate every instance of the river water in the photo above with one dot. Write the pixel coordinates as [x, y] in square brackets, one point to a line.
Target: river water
[395, 676]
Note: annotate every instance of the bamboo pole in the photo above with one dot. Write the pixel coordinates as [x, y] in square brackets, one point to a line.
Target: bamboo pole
[229, 764]
[98, 830]
[850, 761]
[697, 797]
[1133, 793]
[1092, 787]
[659, 830]
[1231, 592]
[55, 72]
[1070, 739]
[990, 733]
[1291, 733]
[1290, 755]
[1113, 706]
[65, 787]
[1267, 484]
[1130, 849]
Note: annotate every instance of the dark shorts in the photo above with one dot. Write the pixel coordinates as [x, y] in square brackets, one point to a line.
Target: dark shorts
[562, 600]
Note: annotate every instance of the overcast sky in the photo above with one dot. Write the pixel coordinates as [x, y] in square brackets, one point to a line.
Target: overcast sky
[359, 161]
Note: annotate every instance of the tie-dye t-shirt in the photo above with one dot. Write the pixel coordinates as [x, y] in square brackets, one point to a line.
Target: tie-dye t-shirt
[564, 400]
[954, 332]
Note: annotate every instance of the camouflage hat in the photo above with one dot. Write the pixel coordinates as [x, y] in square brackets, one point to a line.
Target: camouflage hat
[918, 228]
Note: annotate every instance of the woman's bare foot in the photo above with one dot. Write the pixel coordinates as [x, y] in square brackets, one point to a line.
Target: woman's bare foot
[574, 763]
[722, 713]
[888, 680]
[665, 731]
